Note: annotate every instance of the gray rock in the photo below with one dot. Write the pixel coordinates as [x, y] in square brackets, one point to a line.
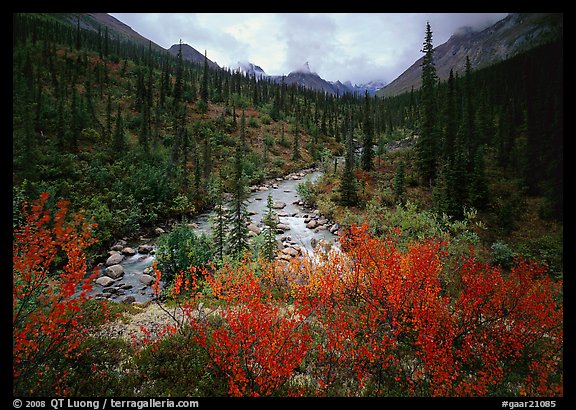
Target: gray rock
[278, 205]
[114, 259]
[145, 248]
[146, 279]
[129, 300]
[253, 228]
[105, 281]
[114, 271]
[128, 251]
[159, 231]
[312, 224]
[290, 251]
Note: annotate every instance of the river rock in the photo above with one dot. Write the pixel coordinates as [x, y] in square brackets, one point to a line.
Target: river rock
[278, 205]
[114, 271]
[145, 248]
[253, 228]
[146, 279]
[105, 281]
[312, 224]
[114, 259]
[290, 251]
[117, 248]
[283, 227]
[128, 300]
[128, 251]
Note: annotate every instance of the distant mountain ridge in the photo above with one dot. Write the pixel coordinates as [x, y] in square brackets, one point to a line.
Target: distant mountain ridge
[189, 53]
[506, 38]
[305, 77]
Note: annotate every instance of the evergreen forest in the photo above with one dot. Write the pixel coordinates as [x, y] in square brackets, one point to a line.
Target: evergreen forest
[467, 172]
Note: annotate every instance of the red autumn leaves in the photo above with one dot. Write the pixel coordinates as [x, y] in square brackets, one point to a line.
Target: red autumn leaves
[379, 318]
[49, 267]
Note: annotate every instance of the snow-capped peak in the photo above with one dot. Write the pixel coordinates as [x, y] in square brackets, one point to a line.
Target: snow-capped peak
[305, 69]
[250, 69]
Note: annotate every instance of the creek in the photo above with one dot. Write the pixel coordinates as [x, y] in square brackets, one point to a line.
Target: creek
[300, 229]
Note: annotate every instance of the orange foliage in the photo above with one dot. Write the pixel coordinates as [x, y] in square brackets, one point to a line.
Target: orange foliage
[46, 311]
[375, 319]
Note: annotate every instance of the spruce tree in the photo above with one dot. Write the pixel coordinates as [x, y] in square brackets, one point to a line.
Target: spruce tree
[270, 246]
[367, 154]
[237, 214]
[427, 143]
[348, 189]
[218, 221]
[119, 141]
[296, 143]
[204, 87]
[399, 183]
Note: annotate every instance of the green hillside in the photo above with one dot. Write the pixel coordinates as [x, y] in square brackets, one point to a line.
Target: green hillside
[447, 203]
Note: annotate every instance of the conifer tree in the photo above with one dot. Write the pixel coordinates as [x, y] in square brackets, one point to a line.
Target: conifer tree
[270, 246]
[119, 141]
[218, 221]
[296, 143]
[399, 183]
[108, 134]
[237, 214]
[204, 88]
[367, 154]
[427, 143]
[348, 189]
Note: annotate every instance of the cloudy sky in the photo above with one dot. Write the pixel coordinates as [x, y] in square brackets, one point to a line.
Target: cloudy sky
[356, 47]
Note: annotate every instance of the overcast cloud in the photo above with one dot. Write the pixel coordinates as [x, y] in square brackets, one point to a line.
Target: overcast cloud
[356, 47]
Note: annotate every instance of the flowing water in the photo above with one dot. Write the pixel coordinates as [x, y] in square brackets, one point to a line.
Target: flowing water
[129, 288]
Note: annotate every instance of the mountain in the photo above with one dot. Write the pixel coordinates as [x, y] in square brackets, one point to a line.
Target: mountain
[116, 28]
[359, 89]
[506, 38]
[251, 69]
[189, 53]
[304, 77]
[95, 21]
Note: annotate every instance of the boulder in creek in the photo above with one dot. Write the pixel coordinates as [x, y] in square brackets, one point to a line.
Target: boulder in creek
[114, 271]
[114, 259]
[145, 248]
[253, 228]
[105, 281]
[278, 205]
[128, 300]
[128, 251]
[146, 279]
[290, 251]
[312, 224]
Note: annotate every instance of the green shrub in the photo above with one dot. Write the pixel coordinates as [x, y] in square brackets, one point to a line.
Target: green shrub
[181, 249]
[178, 367]
[307, 193]
[502, 255]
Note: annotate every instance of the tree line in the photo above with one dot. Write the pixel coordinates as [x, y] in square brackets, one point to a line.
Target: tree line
[90, 107]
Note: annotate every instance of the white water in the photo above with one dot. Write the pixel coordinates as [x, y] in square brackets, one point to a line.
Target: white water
[284, 191]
